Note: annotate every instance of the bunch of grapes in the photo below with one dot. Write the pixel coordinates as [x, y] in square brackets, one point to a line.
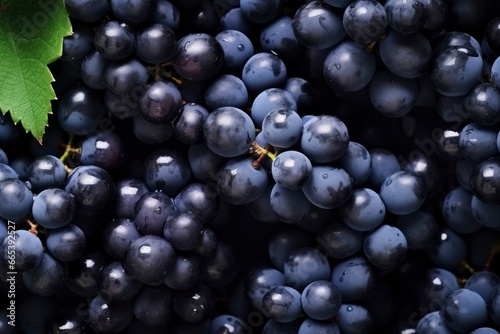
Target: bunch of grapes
[260, 166]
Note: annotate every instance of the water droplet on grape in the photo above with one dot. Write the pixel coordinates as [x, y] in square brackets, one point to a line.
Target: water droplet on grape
[349, 308]
[325, 176]
[158, 211]
[337, 66]
[241, 47]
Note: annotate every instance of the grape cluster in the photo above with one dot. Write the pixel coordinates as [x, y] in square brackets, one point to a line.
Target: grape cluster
[260, 166]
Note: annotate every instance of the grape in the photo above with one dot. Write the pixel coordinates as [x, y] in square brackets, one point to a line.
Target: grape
[290, 206]
[305, 265]
[420, 229]
[104, 316]
[310, 326]
[428, 169]
[484, 182]
[45, 172]
[260, 11]
[92, 187]
[128, 191]
[269, 100]
[125, 77]
[477, 142]
[194, 305]
[457, 212]
[464, 310]
[238, 48]
[259, 281]
[403, 193]
[482, 103]
[260, 208]
[226, 91]
[28, 250]
[228, 131]
[161, 102]
[151, 133]
[16, 199]
[365, 21]
[495, 72]
[133, 11]
[291, 169]
[262, 71]
[204, 162]
[93, 67]
[150, 212]
[324, 139]
[77, 45]
[354, 277]
[185, 274]
[116, 284]
[340, 241]
[149, 258]
[449, 249]
[153, 306]
[278, 37]
[364, 210]
[199, 199]
[47, 277]
[225, 321]
[407, 16]
[155, 44]
[434, 322]
[485, 214]
[482, 282]
[86, 11]
[302, 92]
[118, 235]
[167, 13]
[53, 208]
[484, 330]
[188, 126]
[114, 40]
[317, 25]
[329, 187]
[233, 19]
[348, 68]
[321, 300]
[282, 128]
[66, 243]
[354, 319]
[385, 247]
[183, 230]
[198, 57]
[282, 303]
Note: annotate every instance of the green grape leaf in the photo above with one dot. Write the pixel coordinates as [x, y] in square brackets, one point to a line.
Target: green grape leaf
[31, 36]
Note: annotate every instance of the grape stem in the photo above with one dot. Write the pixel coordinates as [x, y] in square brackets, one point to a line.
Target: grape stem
[33, 227]
[261, 153]
[69, 150]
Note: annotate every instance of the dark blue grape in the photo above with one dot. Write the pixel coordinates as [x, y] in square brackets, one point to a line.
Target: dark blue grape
[283, 242]
[79, 110]
[185, 273]
[93, 67]
[310, 326]
[167, 171]
[484, 330]
[204, 162]
[317, 25]
[45, 172]
[118, 235]
[457, 213]
[21, 250]
[278, 37]
[239, 182]
[155, 44]
[420, 229]
[235, 20]
[226, 91]
[465, 310]
[128, 192]
[199, 199]
[383, 164]
[227, 322]
[208, 244]
[291, 169]
[66, 243]
[434, 286]
[485, 181]
[77, 45]
[448, 250]
[198, 57]
[354, 277]
[15, 199]
[259, 281]
[183, 230]
[385, 247]
[495, 72]
[302, 92]
[102, 149]
[188, 126]
[150, 212]
[477, 142]
[391, 95]
[438, 14]
[348, 68]
[47, 277]
[238, 48]
[329, 187]
[133, 11]
[493, 305]
[406, 55]
[282, 303]
[116, 284]
[228, 131]
[460, 66]
[149, 258]
[339, 240]
[53, 208]
[485, 214]
[428, 169]
[483, 104]
[321, 300]
[92, 187]
[260, 11]
[194, 305]
[407, 16]
[269, 100]
[403, 193]
[365, 21]
[114, 40]
[354, 319]
[290, 206]
[125, 77]
[282, 128]
[109, 316]
[482, 282]
[262, 71]
[167, 13]
[447, 145]
[325, 138]
[124, 105]
[364, 210]
[149, 132]
[153, 306]
[357, 162]
[161, 102]
[86, 11]
[305, 265]
[433, 322]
